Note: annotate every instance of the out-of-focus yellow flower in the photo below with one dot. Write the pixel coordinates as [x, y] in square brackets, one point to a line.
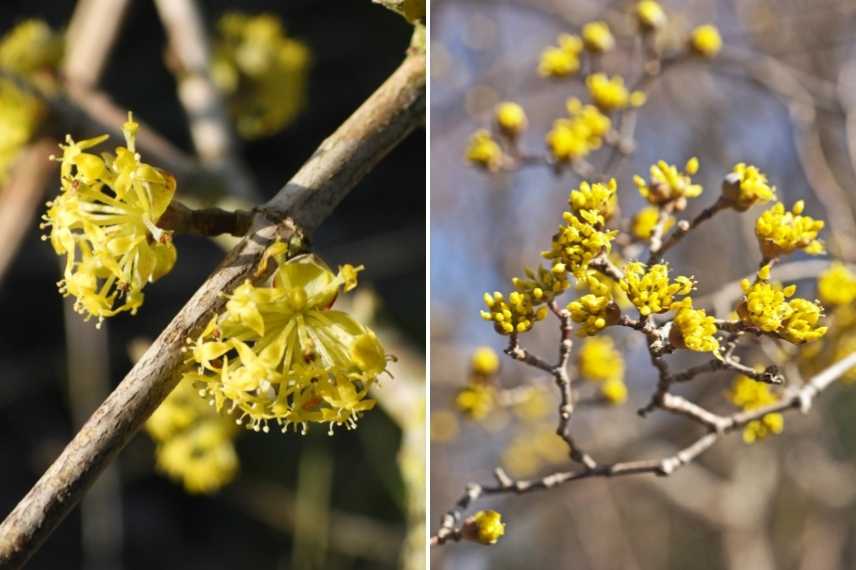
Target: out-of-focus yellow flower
[694, 328]
[261, 70]
[484, 361]
[837, 285]
[20, 114]
[749, 394]
[651, 290]
[535, 404]
[746, 186]
[610, 94]
[580, 133]
[597, 38]
[104, 222]
[780, 232]
[517, 314]
[195, 445]
[668, 185]
[846, 346]
[484, 151]
[650, 15]
[599, 360]
[281, 354]
[485, 527]
[578, 241]
[563, 59]
[30, 47]
[706, 41]
[476, 401]
[543, 286]
[532, 449]
[511, 118]
[647, 219]
[599, 197]
[614, 391]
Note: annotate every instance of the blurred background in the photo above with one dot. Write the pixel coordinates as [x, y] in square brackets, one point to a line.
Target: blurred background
[347, 501]
[780, 96]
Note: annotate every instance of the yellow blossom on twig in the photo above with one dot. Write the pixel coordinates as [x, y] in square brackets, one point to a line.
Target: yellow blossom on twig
[746, 186]
[563, 59]
[651, 290]
[780, 232]
[749, 394]
[670, 186]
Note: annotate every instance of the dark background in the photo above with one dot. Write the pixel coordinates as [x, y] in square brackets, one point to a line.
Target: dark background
[354, 46]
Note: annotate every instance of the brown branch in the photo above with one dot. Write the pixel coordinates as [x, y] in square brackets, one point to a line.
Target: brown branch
[682, 228]
[383, 121]
[91, 35]
[206, 221]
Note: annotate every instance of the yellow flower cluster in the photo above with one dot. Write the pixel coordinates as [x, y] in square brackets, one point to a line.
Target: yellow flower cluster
[104, 222]
[281, 353]
[578, 241]
[195, 445]
[532, 449]
[670, 186]
[646, 220]
[593, 312]
[780, 232]
[476, 400]
[837, 285]
[649, 288]
[610, 94]
[597, 38]
[746, 186]
[484, 151]
[562, 59]
[578, 134]
[706, 41]
[543, 286]
[484, 361]
[514, 316]
[768, 306]
[693, 328]
[485, 527]
[262, 71]
[510, 118]
[748, 394]
[30, 47]
[20, 114]
[598, 197]
[650, 15]
[599, 361]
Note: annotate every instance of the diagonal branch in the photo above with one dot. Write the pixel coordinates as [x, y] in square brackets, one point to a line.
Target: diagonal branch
[342, 160]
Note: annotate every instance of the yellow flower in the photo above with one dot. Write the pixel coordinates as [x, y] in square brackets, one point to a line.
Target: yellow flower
[262, 71]
[599, 197]
[693, 328]
[104, 222]
[611, 94]
[195, 445]
[484, 361]
[20, 115]
[780, 232]
[515, 315]
[802, 324]
[646, 220]
[579, 241]
[543, 286]
[281, 353]
[485, 527]
[593, 312]
[597, 38]
[600, 361]
[614, 391]
[746, 186]
[527, 452]
[837, 285]
[561, 60]
[580, 133]
[511, 118]
[476, 401]
[29, 47]
[484, 151]
[650, 289]
[748, 394]
[670, 186]
[650, 15]
[706, 41]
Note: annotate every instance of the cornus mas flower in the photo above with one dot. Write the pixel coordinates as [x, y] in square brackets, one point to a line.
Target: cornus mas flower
[20, 114]
[515, 315]
[580, 240]
[530, 450]
[746, 186]
[668, 185]
[484, 151]
[580, 133]
[650, 15]
[484, 527]
[646, 220]
[543, 286]
[484, 361]
[837, 285]
[600, 362]
[510, 118]
[262, 71]
[780, 232]
[649, 288]
[610, 94]
[104, 222]
[598, 197]
[706, 41]
[597, 38]
[195, 445]
[748, 394]
[563, 59]
[693, 328]
[280, 353]
[476, 401]
[594, 312]
[29, 47]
